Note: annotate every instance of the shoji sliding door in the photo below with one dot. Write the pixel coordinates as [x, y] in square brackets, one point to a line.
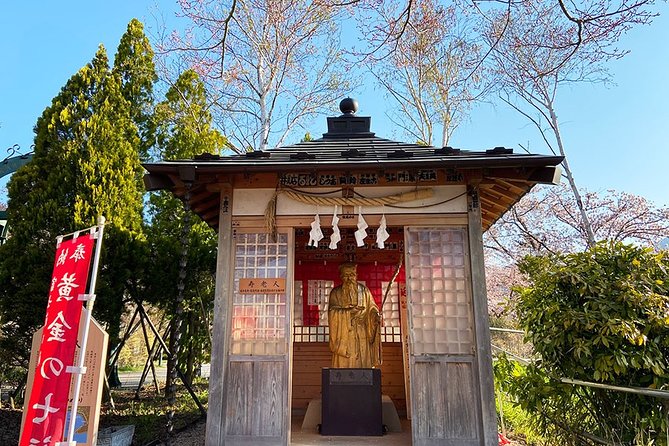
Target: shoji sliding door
[444, 373]
[258, 379]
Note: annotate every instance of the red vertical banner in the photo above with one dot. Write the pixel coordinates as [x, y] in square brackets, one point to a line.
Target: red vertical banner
[47, 404]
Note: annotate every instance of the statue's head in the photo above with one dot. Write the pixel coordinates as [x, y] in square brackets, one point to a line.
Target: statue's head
[348, 272]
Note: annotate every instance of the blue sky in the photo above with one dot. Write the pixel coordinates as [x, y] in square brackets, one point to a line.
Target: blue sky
[617, 137]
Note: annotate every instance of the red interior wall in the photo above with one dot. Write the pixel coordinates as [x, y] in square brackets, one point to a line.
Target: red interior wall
[373, 276]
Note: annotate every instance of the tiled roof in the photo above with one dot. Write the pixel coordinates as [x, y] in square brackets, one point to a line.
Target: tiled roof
[350, 146]
[359, 152]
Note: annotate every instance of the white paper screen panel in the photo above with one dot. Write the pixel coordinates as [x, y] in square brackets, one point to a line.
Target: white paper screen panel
[440, 301]
[259, 320]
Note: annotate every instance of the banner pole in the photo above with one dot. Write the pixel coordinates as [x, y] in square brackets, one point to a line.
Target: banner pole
[79, 370]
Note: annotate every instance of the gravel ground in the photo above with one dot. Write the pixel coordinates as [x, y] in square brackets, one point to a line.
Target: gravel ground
[10, 424]
[193, 436]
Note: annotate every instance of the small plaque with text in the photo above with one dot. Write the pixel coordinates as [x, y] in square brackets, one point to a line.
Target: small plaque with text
[262, 285]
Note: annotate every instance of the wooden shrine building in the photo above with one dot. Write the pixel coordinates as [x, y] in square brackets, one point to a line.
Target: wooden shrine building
[273, 278]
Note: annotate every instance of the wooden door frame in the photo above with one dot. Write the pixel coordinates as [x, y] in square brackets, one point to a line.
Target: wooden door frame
[222, 321]
[223, 307]
[481, 318]
[481, 376]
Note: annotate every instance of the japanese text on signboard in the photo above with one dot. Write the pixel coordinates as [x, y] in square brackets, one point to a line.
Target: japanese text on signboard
[47, 404]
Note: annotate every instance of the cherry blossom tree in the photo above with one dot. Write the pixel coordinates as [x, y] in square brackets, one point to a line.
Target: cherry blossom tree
[273, 64]
[269, 65]
[500, 278]
[529, 49]
[432, 75]
[538, 48]
[547, 221]
[581, 22]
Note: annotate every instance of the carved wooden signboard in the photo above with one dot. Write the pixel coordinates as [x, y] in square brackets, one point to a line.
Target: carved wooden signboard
[262, 285]
[370, 178]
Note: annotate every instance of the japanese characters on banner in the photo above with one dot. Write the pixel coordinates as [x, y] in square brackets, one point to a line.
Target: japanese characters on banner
[47, 406]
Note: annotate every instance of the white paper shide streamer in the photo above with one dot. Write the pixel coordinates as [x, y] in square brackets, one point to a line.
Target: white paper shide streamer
[361, 233]
[316, 234]
[336, 235]
[382, 234]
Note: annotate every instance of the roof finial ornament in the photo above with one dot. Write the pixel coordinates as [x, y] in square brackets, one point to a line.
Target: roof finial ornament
[348, 106]
[348, 125]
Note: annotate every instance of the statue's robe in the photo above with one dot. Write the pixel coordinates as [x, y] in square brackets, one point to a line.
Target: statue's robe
[355, 342]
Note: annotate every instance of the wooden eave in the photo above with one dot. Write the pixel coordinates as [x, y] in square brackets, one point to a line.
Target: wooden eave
[503, 178]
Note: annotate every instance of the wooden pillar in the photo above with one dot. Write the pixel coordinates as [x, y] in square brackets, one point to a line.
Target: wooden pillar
[222, 318]
[481, 319]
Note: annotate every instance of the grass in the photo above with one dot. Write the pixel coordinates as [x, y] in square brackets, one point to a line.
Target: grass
[519, 425]
[149, 413]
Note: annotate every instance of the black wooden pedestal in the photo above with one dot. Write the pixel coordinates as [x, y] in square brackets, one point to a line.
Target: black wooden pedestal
[351, 402]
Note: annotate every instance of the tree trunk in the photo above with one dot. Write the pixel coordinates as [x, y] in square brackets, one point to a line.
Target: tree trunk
[585, 221]
[262, 101]
[18, 391]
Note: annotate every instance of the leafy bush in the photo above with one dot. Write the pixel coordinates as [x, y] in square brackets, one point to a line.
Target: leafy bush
[601, 315]
[515, 419]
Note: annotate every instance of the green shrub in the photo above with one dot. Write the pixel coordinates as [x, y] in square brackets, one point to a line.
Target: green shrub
[600, 316]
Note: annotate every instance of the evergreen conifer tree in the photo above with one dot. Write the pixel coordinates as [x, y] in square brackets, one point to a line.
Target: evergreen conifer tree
[183, 130]
[85, 164]
[136, 69]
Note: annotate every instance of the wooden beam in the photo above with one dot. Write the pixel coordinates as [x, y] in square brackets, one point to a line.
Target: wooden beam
[288, 378]
[521, 185]
[256, 180]
[500, 196]
[489, 218]
[503, 194]
[547, 175]
[486, 224]
[526, 175]
[258, 223]
[481, 321]
[209, 215]
[474, 176]
[489, 214]
[154, 181]
[202, 193]
[515, 188]
[492, 203]
[222, 322]
[212, 201]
